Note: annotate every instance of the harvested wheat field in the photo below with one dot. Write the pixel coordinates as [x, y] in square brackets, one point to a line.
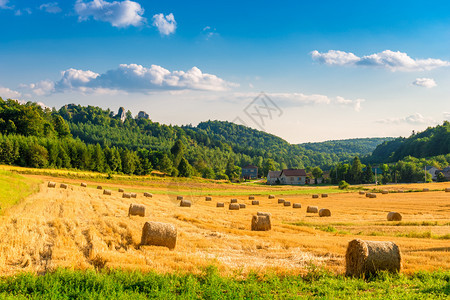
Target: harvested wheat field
[81, 228]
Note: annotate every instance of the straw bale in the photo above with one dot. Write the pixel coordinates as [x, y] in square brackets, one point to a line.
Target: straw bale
[324, 212]
[394, 216]
[312, 209]
[261, 223]
[136, 210]
[159, 234]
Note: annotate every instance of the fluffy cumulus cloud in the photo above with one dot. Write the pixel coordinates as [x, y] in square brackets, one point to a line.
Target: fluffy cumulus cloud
[391, 60]
[132, 78]
[4, 4]
[51, 7]
[425, 82]
[7, 93]
[118, 13]
[165, 24]
[414, 119]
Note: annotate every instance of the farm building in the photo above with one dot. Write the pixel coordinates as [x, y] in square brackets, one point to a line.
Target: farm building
[293, 176]
[433, 171]
[273, 177]
[250, 172]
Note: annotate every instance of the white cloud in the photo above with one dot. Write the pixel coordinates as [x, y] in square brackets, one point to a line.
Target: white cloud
[416, 118]
[394, 61]
[132, 78]
[41, 88]
[425, 82]
[166, 24]
[3, 4]
[51, 7]
[118, 13]
[355, 103]
[7, 93]
[209, 32]
[23, 11]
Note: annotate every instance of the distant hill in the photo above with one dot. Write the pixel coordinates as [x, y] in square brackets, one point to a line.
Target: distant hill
[433, 141]
[347, 149]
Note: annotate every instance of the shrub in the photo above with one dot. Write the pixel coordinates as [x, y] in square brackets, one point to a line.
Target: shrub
[343, 184]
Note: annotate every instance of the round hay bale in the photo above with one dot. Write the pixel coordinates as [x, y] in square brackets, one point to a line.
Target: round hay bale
[315, 196]
[63, 186]
[261, 223]
[107, 192]
[121, 190]
[394, 216]
[83, 184]
[312, 209]
[148, 195]
[447, 190]
[233, 206]
[133, 195]
[220, 204]
[296, 205]
[159, 234]
[271, 196]
[324, 195]
[233, 201]
[99, 187]
[365, 258]
[324, 212]
[251, 197]
[51, 184]
[136, 210]
[368, 195]
[287, 203]
[255, 202]
[185, 203]
[180, 198]
[384, 192]
[362, 192]
[373, 195]
[242, 205]
[426, 190]
[260, 213]
[208, 198]
[126, 195]
[400, 191]
[280, 201]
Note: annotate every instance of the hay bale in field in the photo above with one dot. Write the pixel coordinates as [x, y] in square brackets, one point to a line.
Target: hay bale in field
[208, 198]
[394, 216]
[121, 190]
[362, 192]
[280, 201]
[312, 209]
[261, 223]
[148, 195]
[368, 195]
[324, 195]
[373, 195]
[315, 196]
[136, 210]
[220, 204]
[426, 190]
[324, 212]
[133, 195]
[260, 213]
[159, 234]
[63, 186]
[126, 195]
[447, 190]
[51, 184]
[400, 191]
[185, 203]
[296, 205]
[233, 201]
[233, 206]
[251, 197]
[384, 192]
[180, 198]
[107, 192]
[242, 205]
[271, 196]
[255, 202]
[99, 187]
[83, 184]
[287, 203]
[365, 258]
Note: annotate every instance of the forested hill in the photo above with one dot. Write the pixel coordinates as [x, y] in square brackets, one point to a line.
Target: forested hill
[432, 142]
[347, 149]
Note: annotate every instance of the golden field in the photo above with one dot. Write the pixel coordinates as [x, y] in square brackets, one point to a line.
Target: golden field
[81, 228]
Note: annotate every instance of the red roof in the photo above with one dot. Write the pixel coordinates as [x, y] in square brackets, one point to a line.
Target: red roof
[294, 172]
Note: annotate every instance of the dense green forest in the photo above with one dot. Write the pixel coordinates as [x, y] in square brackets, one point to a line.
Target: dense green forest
[347, 149]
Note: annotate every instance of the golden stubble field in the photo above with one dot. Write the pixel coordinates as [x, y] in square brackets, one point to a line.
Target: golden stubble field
[81, 228]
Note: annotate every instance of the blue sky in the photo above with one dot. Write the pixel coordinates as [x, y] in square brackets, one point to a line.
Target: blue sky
[337, 69]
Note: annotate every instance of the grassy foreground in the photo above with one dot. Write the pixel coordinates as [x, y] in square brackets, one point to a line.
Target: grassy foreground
[64, 284]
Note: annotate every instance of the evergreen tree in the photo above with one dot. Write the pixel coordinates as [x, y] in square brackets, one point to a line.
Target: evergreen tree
[184, 168]
[356, 170]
